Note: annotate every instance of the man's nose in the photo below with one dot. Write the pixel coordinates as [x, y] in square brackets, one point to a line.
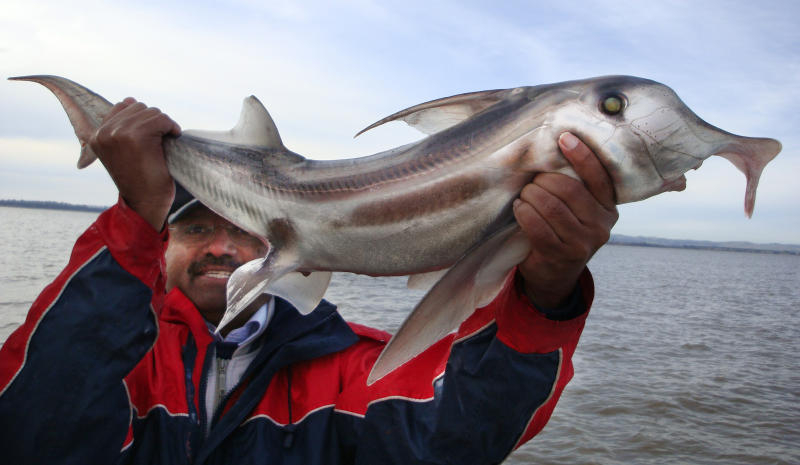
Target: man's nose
[221, 243]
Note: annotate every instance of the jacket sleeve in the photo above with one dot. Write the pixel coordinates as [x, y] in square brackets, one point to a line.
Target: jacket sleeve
[473, 397]
[62, 397]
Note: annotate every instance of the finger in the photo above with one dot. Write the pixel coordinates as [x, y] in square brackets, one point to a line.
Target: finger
[576, 196]
[155, 120]
[589, 169]
[119, 107]
[534, 226]
[129, 113]
[175, 130]
[558, 215]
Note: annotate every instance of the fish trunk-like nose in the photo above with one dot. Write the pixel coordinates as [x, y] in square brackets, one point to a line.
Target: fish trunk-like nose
[750, 155]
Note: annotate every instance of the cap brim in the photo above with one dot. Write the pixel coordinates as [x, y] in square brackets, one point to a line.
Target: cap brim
[183, 211]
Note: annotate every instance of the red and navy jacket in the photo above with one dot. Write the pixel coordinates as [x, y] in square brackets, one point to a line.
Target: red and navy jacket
[108, 369]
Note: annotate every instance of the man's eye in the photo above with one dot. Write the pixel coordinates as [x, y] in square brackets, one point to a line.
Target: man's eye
[196, 229]
[237, 231]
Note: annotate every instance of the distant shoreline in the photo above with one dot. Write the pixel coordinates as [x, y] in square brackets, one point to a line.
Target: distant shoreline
[749, 247]
[616, 239]
[50, 205]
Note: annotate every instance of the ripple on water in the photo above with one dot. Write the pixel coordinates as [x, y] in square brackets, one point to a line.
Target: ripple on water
[688, 356]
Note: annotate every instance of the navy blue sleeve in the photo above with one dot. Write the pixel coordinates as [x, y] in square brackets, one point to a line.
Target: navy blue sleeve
[471, 398]
[62, 397]
[480, 408]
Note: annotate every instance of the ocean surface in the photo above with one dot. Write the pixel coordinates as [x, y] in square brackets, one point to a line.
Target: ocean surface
[688, 356]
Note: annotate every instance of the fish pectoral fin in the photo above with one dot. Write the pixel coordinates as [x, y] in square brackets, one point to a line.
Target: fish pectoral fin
[493, 273]
[251, 280]
[303, 292]
[437, 115]
[425, 281]
[255, 128]
[84, 108]
[245, 285]
[479, 275]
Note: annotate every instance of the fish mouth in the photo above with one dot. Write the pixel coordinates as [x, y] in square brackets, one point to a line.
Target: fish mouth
[678, 184]
[675, 185]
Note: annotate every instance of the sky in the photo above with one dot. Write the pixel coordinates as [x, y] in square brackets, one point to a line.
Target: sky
[327, 69]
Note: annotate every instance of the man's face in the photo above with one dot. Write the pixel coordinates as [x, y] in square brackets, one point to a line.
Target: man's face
[203, 251]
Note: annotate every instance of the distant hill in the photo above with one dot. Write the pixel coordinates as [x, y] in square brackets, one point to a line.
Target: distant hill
[50, 205]
[738, 246]
[616, 239]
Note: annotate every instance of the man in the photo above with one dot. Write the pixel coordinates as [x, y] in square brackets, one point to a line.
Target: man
[108, 368]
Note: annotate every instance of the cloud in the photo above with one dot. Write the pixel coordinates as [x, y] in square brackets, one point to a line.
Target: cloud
[326, 70]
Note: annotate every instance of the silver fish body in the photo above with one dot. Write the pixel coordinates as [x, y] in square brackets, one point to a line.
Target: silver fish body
[442, 202]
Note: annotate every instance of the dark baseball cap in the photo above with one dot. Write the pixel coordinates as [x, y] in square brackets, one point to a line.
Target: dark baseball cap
[184, 202]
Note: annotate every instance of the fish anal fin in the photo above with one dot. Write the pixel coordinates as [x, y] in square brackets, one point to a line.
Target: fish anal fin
[254, 128]
[478, 275]
[437, 115]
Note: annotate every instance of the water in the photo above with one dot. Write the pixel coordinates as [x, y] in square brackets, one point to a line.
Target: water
[688, 356]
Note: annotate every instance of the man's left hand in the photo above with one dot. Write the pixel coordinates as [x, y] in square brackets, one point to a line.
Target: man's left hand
[566, 221]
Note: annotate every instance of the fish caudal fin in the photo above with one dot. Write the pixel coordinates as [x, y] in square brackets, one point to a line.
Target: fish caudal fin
[84, 108]
[750, 155]
[471, 283]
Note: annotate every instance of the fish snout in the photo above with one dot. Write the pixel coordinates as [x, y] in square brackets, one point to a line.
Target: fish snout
[750, 155]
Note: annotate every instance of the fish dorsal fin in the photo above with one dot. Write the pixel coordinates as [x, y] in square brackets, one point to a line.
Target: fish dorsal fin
[437, 115]
[255, 128]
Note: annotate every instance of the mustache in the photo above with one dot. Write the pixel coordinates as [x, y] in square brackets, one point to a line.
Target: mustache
[197, 268]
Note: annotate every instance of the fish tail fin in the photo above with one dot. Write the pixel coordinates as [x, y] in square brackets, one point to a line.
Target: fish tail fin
[84, 108]
[750, 155]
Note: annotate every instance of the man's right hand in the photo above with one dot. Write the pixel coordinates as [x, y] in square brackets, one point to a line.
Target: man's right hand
[129, 144]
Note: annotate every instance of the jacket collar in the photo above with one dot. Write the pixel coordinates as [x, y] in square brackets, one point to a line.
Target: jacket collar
[289, 338]
[324, 324]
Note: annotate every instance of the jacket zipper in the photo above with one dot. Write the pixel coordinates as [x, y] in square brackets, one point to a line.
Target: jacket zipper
[222, 368]
[223, 353]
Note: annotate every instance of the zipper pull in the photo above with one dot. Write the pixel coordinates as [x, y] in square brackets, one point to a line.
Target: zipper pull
[224, 353]
[222, 367]
[288, 435]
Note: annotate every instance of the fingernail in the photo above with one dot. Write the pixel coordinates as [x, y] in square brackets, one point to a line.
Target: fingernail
[568, 141]
[517, 203]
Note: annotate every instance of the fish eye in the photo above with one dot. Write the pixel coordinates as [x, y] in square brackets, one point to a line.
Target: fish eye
[612, 104]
